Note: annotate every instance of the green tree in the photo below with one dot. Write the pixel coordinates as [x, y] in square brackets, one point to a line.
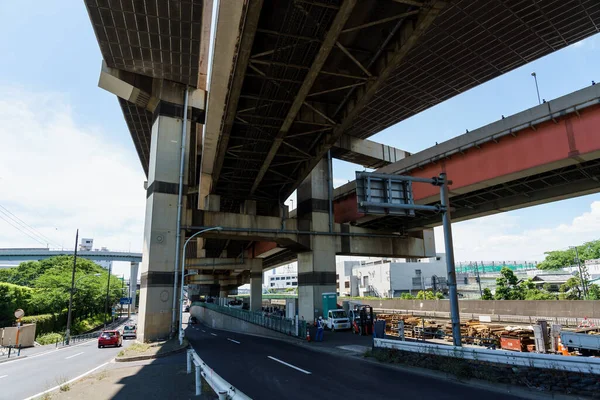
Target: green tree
[507, 287]
[428, 295]
[407, 296]
[594, 292]
[571, 289]
[563, 258]
[487, 294]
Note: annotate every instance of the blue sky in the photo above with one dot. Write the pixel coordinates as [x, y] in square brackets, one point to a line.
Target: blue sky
[48, 79]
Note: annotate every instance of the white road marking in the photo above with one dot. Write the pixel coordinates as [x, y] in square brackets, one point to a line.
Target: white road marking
[290, 365]
[74, 355]
[234, 341]
[214, 334]
[26, 357]
[203, 331]
[3, 376]
[66, 383]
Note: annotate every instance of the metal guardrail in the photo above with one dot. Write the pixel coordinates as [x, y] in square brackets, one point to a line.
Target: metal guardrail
[90, 335]
[296, 328]
[10, 350]
[532, 360]
[520, 319]
[222, 388]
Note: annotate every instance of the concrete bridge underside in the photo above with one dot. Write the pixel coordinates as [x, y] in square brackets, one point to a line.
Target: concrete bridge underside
[289, 81]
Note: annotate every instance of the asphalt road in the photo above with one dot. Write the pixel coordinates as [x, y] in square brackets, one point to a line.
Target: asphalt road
[268, 369]
[29, 376]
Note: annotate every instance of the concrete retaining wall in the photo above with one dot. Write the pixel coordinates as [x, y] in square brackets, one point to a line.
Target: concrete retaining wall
[546, 308]
[217, 320]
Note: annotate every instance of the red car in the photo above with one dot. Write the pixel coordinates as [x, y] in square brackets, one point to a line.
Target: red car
[110, 338]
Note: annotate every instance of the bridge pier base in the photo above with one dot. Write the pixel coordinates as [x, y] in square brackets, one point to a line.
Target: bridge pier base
[256, 277]
[160, 228]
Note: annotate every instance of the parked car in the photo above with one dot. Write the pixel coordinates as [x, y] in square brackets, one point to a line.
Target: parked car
[337, 320]
[130, 331]
[110, 338]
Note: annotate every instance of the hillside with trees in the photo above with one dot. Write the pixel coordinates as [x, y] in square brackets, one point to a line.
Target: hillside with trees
[42, 289]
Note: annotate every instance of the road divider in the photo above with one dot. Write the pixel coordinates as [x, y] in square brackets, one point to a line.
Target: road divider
[290, 365]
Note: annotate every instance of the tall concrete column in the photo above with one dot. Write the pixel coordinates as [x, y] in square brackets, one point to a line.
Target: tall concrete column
[256, 277]
[316, 268]
[133, 274]
[158, 259]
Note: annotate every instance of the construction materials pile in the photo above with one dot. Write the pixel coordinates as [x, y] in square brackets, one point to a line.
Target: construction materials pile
[414, 327]
[517, 338]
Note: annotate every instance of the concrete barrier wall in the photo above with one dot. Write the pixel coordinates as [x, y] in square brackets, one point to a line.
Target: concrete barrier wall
[217, 320]
[546, 308]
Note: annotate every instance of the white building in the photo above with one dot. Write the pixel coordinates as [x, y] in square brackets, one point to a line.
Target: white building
[283, 281]
[391, 278]
[87, 244]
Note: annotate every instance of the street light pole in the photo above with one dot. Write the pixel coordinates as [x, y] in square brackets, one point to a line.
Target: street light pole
[536, 87]
[68, 332]
[216, 228]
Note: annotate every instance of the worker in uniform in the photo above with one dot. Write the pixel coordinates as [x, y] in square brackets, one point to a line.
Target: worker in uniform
[319, 336]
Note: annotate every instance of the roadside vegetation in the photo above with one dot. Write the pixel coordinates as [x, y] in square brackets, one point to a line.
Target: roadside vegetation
[42, 290]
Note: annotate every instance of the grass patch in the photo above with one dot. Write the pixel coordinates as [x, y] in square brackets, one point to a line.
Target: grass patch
[135, 348]
[102, 375]
[65, 388]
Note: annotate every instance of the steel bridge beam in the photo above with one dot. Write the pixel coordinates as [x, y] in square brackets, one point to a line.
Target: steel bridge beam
[328, 44]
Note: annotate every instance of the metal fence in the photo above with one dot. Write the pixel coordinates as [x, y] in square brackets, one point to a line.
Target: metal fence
[279, 324]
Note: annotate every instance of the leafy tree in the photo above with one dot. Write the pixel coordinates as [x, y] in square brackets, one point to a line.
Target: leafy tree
[407, 296]
[563, 258]
[536, 294]
[13, 297]
[427, 295]
[507, 287]
[594, 292]
[571, 289]
[487, 294]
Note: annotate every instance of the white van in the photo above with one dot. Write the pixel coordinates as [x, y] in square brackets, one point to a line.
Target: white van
[337, 320]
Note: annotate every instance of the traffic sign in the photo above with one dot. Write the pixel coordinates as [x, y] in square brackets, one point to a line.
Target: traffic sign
[125, 300]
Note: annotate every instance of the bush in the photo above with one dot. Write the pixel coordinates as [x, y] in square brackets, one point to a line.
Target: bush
[88, 324]
[46, 323]
[49, 338]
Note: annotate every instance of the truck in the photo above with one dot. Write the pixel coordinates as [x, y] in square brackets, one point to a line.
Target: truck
[337, 320]
[585, 341]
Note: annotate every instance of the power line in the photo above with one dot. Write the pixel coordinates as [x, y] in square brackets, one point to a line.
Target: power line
[19, 229]
[24, 224]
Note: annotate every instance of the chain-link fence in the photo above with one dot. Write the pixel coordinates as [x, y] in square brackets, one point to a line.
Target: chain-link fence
[279, 324]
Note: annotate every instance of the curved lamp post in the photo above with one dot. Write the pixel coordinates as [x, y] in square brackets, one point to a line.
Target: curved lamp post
[216, 228]
[68, 333]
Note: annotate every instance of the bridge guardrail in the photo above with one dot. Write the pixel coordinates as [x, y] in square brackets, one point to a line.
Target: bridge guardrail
[279, 324]
[222, 388]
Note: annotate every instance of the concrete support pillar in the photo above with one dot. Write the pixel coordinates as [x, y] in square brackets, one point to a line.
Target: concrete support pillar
[316, 268]
[158, 260]
[256, 275]
[248, 207]
[213, 202]
[133, 274]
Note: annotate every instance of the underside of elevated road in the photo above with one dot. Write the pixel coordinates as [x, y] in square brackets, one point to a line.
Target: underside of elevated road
[229, 119]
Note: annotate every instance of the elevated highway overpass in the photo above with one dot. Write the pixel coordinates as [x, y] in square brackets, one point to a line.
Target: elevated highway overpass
[227, 129]
[547, 153]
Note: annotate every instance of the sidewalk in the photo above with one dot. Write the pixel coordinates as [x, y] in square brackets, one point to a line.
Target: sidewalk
[163, 378]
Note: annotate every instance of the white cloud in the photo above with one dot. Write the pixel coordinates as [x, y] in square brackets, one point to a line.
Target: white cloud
[488, 238]
[58, 176]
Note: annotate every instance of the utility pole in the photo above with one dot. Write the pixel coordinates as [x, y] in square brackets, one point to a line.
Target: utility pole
[107, 294]
[478, 279]
[582, 276]
[68, 333]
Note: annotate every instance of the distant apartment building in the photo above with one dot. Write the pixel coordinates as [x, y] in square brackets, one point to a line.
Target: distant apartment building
[282, 278]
